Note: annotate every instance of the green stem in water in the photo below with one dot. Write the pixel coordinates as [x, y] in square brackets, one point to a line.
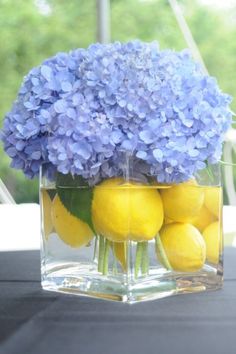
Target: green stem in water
[101, 254]
[209, 172]
[106, 257]
[114, 266]
[160, 250]
[138, 258]
[95, 248]
[145, 258]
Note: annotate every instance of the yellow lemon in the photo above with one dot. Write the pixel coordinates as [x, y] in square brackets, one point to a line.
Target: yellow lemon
[47, 219]
[167, 221]
[123, 211]
[119, 249]
[69, 228]
[182, 201]
[203, 219]
[213, 239]
[213, 200]
[184, 247]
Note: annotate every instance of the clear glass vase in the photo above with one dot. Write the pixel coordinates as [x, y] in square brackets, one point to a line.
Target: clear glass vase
[129, 238]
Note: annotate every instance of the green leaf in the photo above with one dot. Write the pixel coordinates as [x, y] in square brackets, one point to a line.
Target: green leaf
[69, 181]
[76, 195]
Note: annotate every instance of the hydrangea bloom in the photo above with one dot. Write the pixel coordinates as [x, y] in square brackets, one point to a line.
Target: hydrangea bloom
[88, 111]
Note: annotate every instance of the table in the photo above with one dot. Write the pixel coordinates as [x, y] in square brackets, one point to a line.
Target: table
[35, 321]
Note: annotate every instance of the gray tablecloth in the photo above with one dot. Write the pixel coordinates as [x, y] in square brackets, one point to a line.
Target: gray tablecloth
[34, 321]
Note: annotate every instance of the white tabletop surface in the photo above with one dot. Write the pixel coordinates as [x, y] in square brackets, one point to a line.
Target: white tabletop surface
[20, 226]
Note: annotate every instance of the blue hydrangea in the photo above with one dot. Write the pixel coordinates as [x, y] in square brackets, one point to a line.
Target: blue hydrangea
[118, 109]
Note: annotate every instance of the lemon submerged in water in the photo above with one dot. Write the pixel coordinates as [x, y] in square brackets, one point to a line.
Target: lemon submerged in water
[69, 228]
[203, 218]
[184, 247]
[183, 201]
[213, 200]
[213, 238]
[126, 211]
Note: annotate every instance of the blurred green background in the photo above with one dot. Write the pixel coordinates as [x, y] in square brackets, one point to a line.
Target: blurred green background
[32, 30]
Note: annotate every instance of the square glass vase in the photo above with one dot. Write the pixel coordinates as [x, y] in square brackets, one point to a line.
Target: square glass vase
[131, 239]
